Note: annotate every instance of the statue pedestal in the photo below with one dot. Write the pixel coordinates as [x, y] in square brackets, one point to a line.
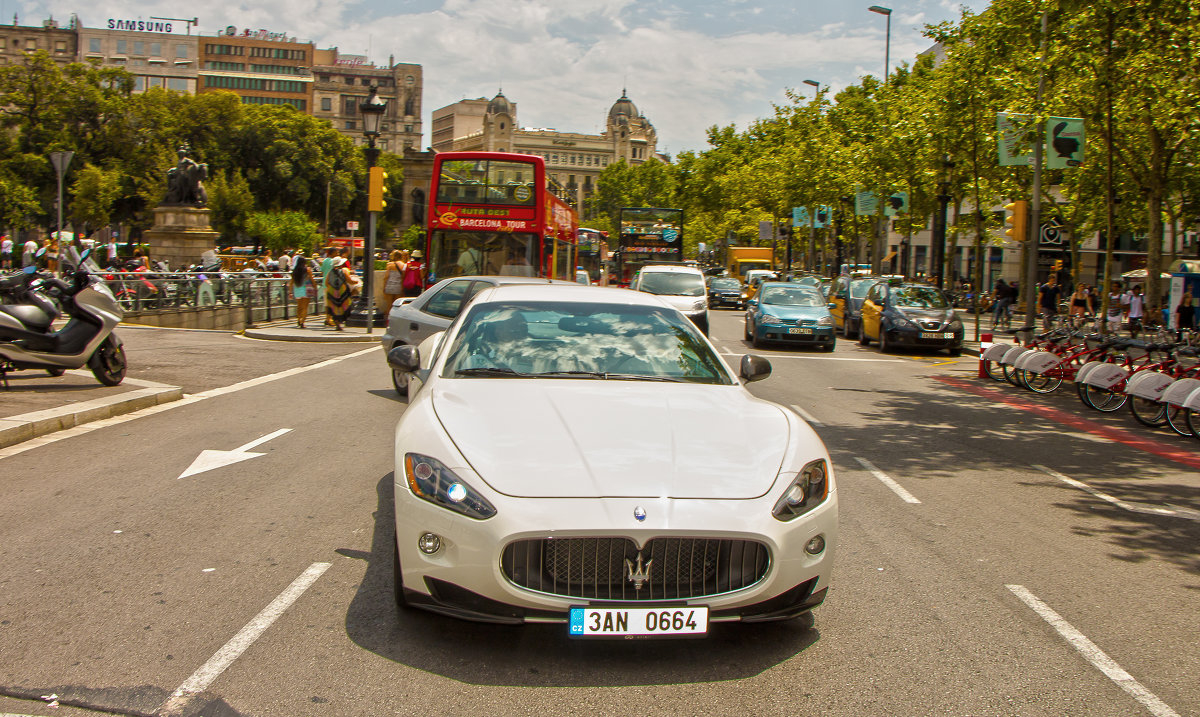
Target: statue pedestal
[180, 235]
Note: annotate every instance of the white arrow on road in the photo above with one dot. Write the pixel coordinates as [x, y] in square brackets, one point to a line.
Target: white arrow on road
[208, 460]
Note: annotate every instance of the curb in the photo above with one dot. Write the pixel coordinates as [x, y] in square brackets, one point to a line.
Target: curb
[23, 427]
[335, 338]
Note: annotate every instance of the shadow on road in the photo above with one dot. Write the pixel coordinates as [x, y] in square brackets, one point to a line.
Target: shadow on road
[543, 655]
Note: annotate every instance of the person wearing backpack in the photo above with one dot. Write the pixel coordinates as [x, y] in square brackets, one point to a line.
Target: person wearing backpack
[414, 275]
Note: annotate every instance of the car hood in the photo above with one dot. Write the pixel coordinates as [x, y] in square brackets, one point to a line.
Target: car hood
[794, 312]
[936, 314]
[596, 438]
[683, 304]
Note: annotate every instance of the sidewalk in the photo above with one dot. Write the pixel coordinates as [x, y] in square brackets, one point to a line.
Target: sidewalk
[315, 331]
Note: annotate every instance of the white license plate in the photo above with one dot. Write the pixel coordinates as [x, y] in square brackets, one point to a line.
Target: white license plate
[800, 331]
[928, 335]
[615, 621]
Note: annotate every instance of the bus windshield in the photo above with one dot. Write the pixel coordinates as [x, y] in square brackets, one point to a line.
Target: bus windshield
[486, 182]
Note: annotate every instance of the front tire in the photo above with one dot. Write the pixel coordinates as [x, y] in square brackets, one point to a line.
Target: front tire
[1177, 419]
[1147, 412]
[400, 382]
[1104, 400]
[993, 370]
[884, 346]
[862, 336]
[1039, 382]
[108, 363]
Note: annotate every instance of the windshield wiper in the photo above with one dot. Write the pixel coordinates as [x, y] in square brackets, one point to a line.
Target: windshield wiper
[490, 371]
[605, 376]
[641, 377]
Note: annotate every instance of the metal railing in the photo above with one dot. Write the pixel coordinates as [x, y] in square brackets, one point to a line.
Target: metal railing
[264, 297]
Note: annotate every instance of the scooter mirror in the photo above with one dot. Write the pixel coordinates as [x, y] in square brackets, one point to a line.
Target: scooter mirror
[41, 252]
[31, 269]
[84, 256]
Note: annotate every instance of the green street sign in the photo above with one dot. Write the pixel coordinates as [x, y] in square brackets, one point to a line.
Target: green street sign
[1064, 142]
[866, 204]
[1016, 145]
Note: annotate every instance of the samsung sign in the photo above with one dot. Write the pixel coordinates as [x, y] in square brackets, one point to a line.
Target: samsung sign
[139, 25]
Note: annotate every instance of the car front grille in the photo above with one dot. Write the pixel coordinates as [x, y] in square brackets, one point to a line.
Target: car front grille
[614, 568]
[929, 324]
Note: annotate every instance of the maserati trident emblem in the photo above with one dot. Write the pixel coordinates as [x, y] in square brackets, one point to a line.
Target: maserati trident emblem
[642, 574]
[639, 514]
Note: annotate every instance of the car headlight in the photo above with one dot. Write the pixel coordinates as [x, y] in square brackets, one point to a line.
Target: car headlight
[769, 320]
[825, 321]
[743, 295]
[699, 305]
[428, 478]
[807, 491]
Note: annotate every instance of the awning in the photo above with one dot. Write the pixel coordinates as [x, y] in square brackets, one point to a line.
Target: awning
[889, 257]
[1142, 274]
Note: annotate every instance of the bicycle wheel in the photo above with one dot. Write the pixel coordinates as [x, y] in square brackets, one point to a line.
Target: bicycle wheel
[1040, 382]
[1192, 417]
[994, 370]
[1104, 399]
[1177, 420]
[1147, 412]
[1012, 374]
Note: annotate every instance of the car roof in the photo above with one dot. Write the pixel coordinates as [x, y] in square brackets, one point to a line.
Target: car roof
[668, 268]
[790, 285]
[568, 292]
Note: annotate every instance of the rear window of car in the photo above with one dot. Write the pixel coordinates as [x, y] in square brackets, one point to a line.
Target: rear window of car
[786, 296]
[671, 283]
[725, 284]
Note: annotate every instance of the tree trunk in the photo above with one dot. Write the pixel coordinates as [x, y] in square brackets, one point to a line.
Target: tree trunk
[1154, 206]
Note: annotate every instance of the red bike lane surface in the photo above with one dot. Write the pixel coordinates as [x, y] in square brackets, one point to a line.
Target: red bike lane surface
[1117, 435]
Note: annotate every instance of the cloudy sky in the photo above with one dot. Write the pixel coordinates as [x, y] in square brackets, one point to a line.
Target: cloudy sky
[687, 64]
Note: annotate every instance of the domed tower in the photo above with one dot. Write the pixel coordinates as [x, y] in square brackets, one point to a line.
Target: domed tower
[633, 137]
[499, 123]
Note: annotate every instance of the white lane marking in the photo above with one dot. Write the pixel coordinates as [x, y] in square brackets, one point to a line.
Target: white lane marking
[887, 480]
[212, 459]
[813, 358]
[808, 417]
[185, 401]
[1131, 507]
[1093, 654]
[211, 670]
[85, 373]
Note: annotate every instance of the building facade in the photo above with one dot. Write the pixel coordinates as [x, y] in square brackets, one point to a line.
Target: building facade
[343, 82]
[156, 56]
[263, 68]
[574, 160]
[16, 41]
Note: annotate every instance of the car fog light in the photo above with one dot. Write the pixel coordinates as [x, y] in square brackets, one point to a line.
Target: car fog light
[815, 545]
[430, 543]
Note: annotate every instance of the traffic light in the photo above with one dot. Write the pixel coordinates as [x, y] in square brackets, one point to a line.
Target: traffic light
[1017, 220]
[375, 179]
[1058, 265]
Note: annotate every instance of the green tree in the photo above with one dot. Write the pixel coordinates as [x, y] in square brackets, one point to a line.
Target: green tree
[283, 230]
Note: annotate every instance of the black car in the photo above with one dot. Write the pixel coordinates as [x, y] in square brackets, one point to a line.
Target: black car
[910, 315]
[724, 291]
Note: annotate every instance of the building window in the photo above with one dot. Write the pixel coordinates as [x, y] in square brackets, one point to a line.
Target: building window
[122, 47]
[181, 52]
[326, 104]
[350, 105]
[349, 124]
[156, 49]
[31, 44]
[60, 46]
[93, 44]
[139, 83]
[178, 84]
[366, 82]
[408, 128]
[139, 47]
[410, 81]
[323, 78]
[349, 80]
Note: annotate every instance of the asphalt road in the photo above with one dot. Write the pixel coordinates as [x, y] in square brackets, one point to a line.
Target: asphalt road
[973, 576]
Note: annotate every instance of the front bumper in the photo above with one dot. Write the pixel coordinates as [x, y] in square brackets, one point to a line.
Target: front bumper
[719, 300]
[464, 578]
[910, 337]
[820, 335]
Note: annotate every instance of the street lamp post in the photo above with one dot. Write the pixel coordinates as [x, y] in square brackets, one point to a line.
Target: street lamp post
[938, 250]
[372, 110]
[816, 87]
[887, 47]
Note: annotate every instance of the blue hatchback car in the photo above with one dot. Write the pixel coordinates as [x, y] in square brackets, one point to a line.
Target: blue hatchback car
[789, 313]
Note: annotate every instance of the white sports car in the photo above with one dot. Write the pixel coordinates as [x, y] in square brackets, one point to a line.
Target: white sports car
[559, 462]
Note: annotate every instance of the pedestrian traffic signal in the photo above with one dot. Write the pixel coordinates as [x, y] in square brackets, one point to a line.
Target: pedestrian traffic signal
[375, 179]
[1017, 220]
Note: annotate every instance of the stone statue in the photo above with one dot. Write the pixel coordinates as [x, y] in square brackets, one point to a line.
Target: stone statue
[184, 187]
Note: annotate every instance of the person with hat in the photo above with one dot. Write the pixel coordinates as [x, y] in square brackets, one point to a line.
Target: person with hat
[338, 292]
[414, 274]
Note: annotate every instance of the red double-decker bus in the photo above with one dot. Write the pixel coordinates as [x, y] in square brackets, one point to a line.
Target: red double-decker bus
[495, 213]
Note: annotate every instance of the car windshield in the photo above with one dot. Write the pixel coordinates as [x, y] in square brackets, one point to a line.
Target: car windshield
[725, 284]
[788, 296]
[918, 297]
[859, 289]
[671, 283]
[581, 340]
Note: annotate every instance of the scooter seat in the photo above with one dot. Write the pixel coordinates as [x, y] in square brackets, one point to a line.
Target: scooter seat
[33, 317]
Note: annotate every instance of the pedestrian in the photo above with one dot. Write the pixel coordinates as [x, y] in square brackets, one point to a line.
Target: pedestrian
[6, 252]
[414, 275]
[1135, 310]
[302, 287]
[326, 267]
[1048, 294]
[52, 255]
[338, 292]
[1116, 308]
[139, 261]
[1185, 313]
[285, 261]
[29, 253]
[1004, 294]
[393, 285]
[1081, 302]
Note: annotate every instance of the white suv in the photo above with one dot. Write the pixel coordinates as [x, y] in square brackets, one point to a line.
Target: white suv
[680, 286]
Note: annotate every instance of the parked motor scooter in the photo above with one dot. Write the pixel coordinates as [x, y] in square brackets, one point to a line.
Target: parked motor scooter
[26, 338]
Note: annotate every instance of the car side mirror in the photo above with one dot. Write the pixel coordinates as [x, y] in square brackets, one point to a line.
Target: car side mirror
[752, 302]
[404, 358]
[833, 305]
[754, 368]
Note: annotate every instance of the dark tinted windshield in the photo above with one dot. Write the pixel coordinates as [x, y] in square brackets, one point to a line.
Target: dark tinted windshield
[918, 297]
[725, 284]
[671, 283]
[577, 340]
[859, 289]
